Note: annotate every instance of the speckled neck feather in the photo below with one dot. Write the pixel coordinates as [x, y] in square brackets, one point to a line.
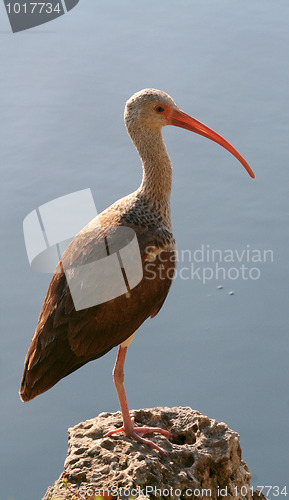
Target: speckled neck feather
[157, 169]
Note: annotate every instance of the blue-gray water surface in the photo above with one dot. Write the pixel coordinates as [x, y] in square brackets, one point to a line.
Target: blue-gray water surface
[219, 346]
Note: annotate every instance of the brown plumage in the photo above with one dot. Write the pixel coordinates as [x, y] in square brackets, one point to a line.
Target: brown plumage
[65, 338]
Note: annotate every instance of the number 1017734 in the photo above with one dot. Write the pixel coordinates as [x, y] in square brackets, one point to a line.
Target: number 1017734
[33, 8]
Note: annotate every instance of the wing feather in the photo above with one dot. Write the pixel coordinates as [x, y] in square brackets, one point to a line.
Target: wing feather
[65, 338]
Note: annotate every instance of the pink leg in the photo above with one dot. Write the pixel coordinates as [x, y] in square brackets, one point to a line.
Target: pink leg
[128, 424]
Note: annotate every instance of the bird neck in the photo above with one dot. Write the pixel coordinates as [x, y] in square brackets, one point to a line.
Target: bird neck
[157, 170]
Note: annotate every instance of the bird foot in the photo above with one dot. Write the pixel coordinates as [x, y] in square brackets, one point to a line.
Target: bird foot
[137, 433]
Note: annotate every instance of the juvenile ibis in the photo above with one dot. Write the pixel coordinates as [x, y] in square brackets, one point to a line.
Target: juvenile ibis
[66, 338]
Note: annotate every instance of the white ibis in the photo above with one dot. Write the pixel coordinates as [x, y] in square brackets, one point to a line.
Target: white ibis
[66, 338]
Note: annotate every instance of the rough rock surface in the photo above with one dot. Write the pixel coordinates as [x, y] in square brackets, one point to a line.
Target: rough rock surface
[204, 460]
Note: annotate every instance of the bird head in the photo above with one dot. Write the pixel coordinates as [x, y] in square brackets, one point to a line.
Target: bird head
[153, 109]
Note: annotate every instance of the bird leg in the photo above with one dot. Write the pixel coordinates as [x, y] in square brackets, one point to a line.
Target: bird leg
[128, 426]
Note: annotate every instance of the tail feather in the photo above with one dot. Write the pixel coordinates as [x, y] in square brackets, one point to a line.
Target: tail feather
[46, 365]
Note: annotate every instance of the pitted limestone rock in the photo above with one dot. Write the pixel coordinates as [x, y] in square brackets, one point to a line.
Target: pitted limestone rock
[203, 460]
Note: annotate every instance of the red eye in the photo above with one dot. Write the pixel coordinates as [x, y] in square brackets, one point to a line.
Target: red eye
[159, 109]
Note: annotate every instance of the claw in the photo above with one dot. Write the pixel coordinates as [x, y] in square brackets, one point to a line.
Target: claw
[137, 433]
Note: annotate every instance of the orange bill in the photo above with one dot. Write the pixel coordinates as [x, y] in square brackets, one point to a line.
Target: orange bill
[181, 119]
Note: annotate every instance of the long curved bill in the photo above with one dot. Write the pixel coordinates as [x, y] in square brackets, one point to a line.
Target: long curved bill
[181, 119]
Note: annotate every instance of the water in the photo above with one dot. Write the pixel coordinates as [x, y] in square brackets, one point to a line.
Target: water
[63, 89]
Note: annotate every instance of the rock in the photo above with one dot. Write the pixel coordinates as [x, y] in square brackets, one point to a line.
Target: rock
[204, 460]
